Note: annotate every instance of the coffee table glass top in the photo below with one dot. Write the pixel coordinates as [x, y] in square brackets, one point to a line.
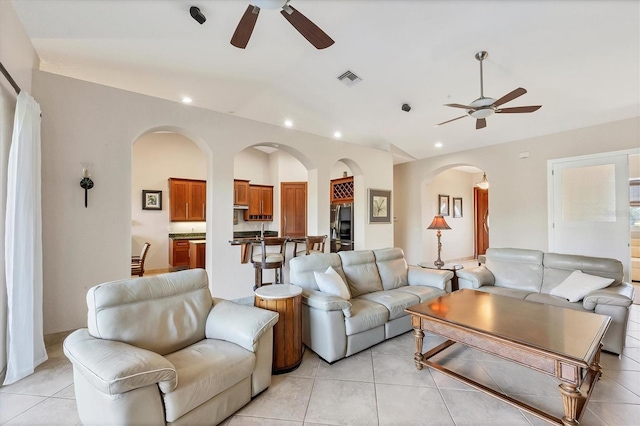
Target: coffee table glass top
[567, 332]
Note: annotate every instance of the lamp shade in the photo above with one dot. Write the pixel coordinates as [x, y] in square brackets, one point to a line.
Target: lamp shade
[438, 223]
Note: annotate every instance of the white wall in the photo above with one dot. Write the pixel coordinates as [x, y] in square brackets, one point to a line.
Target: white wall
[518, 191]
[155, 158]
[88, 122]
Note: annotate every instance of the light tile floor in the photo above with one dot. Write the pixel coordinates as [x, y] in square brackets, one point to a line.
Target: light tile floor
[379, 386]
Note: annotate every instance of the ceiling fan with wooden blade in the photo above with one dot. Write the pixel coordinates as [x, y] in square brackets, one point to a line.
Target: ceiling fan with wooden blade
[318, 38]
[483, 107]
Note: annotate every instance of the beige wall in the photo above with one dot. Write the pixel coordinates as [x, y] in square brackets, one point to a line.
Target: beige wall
[518, 191]
[87, 122]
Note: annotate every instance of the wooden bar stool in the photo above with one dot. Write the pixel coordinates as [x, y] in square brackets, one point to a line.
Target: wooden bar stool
[270, 256]
[312, 244]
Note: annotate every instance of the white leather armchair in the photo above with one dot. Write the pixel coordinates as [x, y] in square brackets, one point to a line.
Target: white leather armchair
[159, 350]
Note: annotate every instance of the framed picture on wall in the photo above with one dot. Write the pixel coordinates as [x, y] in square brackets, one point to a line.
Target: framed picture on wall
[443, 204]
[457, 206]
[379, 206]
[151, 200]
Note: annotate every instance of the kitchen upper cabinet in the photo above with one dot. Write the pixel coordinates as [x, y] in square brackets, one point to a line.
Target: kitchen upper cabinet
[187, 200]
[342, 190]
[260, 203]
[241, 192]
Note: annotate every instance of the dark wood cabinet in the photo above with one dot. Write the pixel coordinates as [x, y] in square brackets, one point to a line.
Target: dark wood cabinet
[260, 203]
[342, 190]
[179, 253]
[241, 192]
[293, 209]
[187, 200]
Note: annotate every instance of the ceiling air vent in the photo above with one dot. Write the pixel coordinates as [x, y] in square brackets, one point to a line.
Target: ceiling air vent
[349, 78]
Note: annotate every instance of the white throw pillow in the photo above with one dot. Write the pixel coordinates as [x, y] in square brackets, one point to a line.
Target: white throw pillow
[577, 285]
[332, 283]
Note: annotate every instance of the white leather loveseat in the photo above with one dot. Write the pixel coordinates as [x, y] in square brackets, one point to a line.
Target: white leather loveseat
[380, 286]
[536, 276]
[159, 350]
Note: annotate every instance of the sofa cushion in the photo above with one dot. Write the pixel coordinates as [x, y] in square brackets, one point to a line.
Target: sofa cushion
[365, 315]
[302, 268]
[511, 292]
[204, 370]
[394, 300]
[555, 301]
[578, 285]
[557, 267]
[360, 269]
[392, 267]
[424, 293]
[516, 268]
[178, 302]
[331, 282]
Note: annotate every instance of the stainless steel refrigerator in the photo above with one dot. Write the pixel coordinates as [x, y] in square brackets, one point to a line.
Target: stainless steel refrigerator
[341, 227]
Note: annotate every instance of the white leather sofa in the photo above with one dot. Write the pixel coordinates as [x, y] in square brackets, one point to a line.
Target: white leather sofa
[381, 285]
[532, 275]
[159, 350]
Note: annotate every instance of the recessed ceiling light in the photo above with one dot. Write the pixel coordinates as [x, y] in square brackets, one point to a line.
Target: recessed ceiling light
[288, 123]
[438, 145]
[187, 100]
[337, 135]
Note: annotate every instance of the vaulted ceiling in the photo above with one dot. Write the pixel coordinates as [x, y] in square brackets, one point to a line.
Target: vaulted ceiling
[580, 60]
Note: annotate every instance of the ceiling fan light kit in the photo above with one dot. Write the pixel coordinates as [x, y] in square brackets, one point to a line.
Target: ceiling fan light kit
[484, 107]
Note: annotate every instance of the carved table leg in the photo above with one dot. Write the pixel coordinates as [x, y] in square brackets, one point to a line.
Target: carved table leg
[418, 334]
[572, 400]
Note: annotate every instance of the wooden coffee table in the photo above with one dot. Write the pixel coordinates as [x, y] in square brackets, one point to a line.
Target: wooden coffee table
[560, 342]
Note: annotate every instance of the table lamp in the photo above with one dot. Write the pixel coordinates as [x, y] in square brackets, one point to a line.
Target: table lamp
[438, 223]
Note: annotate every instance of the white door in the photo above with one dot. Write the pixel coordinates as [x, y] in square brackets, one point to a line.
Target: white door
[589, 207]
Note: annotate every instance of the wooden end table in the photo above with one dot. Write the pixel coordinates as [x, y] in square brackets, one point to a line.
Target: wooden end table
[286, 300]
[453, 267]
[560, 342]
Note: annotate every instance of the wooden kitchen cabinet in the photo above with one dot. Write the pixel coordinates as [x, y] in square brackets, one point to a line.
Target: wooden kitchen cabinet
[187, 200]
[179, 253]
[240, 192]
[342, 190]
[260, 203]
[197, 254]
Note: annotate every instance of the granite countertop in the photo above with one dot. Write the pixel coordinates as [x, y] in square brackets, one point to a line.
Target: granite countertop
[250, 234]
[189, 236]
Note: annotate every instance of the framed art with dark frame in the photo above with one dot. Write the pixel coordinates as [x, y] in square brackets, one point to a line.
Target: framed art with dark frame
[443, 204]
[457, 206]
[151, 200]
[379, 206]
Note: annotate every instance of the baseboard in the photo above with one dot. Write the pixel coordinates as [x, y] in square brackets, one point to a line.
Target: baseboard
[54, 338]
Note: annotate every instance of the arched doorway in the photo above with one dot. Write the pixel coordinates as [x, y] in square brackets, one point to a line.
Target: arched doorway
[453, 191]
[156, 157]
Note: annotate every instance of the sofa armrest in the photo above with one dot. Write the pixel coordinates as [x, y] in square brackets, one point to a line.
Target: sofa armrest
[239, 324]
[475, 278]
[429, 277]
[620, 295]
[115, 367]
[325, 302]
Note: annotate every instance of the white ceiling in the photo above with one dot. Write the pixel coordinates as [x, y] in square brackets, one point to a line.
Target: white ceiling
[579, 59]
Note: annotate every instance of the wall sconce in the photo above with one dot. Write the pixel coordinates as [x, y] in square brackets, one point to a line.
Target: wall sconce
[438, 223]
[86, 183]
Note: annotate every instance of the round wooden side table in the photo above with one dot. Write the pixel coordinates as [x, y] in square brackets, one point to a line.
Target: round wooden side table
[286, 300]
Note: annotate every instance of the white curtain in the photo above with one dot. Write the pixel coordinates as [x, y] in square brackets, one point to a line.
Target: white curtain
[23, 244]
